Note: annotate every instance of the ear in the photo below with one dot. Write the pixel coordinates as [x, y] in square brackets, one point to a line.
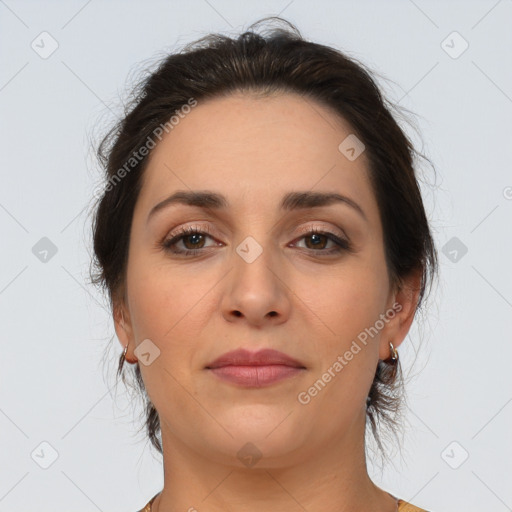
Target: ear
[124, 330]
[403, 301]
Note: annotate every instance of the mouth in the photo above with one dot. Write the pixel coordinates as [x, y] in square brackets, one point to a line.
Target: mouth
[255, 369]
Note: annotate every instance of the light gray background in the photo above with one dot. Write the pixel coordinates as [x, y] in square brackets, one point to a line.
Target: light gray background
[54, 329]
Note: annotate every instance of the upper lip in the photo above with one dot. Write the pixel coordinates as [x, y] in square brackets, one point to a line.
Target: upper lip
[264, 357]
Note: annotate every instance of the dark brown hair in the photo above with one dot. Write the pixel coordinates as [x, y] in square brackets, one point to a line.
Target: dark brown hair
[279, 61]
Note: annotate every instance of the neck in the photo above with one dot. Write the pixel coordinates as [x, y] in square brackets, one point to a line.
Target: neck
[333, 480]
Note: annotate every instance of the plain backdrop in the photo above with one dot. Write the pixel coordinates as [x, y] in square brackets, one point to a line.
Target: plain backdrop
[68, 440]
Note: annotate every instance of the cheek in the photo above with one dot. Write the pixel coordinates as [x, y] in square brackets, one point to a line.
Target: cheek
[166, 306]
[350, 300]
[153, 296]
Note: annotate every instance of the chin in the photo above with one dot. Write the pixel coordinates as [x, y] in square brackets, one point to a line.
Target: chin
[269, 439]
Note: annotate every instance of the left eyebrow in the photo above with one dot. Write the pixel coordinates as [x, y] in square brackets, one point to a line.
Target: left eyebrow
[291, 201]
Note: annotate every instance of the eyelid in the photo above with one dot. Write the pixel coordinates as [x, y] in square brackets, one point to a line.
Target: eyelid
[182, 230]
[337, 231]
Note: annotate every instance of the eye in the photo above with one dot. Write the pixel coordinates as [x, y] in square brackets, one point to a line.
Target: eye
[319, 238]
[191, 237]
[193, 240]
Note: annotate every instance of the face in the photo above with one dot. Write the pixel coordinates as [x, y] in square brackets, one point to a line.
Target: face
[307, 280]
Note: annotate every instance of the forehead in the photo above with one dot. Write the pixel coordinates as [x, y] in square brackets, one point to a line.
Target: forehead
[245, 146]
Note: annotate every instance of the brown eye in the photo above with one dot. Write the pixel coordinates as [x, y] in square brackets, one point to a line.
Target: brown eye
[192, 238]
[316, 241]
[196, 241]
[193, 242]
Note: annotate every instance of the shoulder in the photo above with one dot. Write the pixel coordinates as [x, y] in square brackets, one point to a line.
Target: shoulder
[404, 506]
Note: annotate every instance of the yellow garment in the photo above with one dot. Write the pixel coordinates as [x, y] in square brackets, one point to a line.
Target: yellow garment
[403, 506]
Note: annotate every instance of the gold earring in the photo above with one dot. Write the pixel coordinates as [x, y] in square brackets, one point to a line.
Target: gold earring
[122, 359]
[394, 353]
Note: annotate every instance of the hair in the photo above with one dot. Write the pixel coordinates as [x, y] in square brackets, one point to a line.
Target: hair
[278, 61]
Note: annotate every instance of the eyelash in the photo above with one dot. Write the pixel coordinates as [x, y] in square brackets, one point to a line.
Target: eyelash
[343, 245]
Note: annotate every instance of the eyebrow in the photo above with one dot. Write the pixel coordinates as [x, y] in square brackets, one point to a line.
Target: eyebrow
[290, 202]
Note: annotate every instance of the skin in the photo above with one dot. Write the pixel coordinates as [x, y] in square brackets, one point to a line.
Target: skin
[194, 308]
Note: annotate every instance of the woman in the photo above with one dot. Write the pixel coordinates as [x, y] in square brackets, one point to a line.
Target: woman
[265, 247]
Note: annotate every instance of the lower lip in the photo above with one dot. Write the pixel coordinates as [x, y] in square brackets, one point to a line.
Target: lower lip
[256, 376]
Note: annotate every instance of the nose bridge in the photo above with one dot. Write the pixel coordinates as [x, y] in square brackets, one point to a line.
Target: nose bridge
[255, 243]
[253, 259]
[255, 289]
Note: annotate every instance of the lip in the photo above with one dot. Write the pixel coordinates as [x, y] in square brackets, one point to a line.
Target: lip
[255, 369]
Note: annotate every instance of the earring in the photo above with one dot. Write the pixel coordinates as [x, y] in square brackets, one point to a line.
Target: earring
[122, 358]
[394, 354]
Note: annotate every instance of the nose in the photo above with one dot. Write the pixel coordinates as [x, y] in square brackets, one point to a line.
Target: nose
[255, 290]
